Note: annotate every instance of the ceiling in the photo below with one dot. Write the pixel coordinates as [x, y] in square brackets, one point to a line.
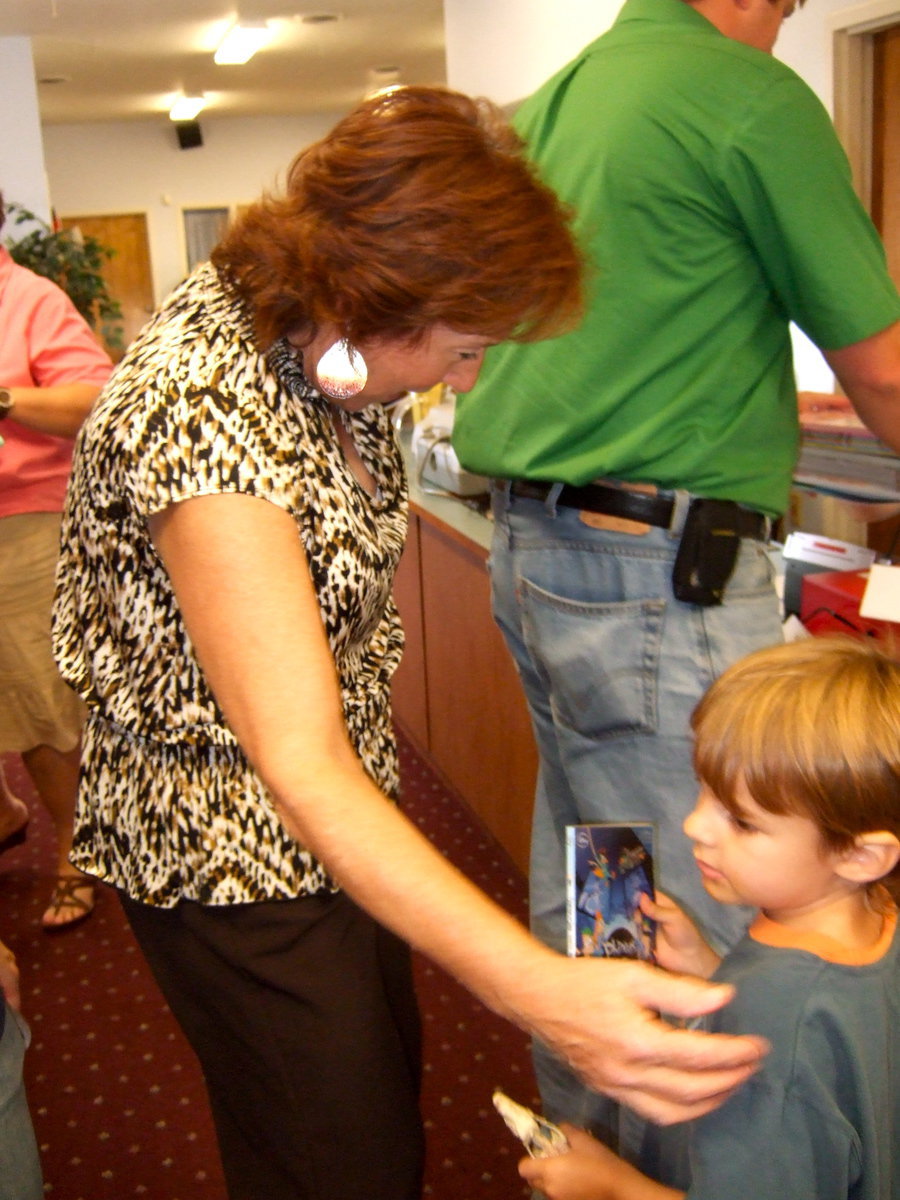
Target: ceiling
[113, 60]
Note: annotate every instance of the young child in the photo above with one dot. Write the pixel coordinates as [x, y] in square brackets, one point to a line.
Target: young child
[797, 750]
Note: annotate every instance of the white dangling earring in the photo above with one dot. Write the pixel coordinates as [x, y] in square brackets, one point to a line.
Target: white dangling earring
[342, 371]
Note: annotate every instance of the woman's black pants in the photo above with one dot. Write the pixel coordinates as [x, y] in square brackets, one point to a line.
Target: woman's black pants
[304, 1019]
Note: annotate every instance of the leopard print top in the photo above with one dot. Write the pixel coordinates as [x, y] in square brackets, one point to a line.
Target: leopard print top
[169, 808]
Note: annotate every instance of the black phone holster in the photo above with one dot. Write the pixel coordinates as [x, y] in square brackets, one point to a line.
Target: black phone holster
[708, 550]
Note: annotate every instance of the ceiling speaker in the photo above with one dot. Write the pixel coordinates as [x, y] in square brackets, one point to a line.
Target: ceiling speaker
[189, 134]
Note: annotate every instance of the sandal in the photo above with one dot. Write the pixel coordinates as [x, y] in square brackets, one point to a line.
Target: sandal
[65, 896]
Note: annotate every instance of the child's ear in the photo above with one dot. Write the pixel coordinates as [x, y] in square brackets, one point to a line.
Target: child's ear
[871, 857]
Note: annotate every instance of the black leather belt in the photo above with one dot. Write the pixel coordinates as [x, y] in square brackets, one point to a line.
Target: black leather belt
[647, 507]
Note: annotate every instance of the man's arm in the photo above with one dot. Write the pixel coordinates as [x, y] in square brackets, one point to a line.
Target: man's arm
[869, 373]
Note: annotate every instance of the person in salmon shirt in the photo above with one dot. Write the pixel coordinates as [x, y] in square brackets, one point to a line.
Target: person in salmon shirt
[51, 371]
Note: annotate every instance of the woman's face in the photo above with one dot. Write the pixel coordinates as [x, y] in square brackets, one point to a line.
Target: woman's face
[395, 368]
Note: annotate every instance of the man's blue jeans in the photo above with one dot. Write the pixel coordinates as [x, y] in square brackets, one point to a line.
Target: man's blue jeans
[20, 1170]
[612, 666]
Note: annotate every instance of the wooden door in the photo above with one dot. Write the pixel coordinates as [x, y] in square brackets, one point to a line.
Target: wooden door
[127, 273]
[886, 143]
[884, 536]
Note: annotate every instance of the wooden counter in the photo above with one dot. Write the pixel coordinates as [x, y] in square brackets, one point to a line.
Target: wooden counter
[457, 694]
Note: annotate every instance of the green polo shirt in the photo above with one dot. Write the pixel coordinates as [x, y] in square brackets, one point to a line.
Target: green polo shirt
[715, 205]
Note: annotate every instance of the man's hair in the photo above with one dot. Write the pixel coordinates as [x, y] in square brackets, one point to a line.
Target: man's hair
[419, 208]
[813, 729]
[2, 211]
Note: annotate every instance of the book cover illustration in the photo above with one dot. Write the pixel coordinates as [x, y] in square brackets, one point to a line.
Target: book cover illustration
[608, 868]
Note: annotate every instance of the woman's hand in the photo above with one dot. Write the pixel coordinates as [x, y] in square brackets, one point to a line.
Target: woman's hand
[680, 946]
[590, 1171]
[602, 1016]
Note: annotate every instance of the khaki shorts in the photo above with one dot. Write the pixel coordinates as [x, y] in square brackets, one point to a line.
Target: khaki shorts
[36, 707]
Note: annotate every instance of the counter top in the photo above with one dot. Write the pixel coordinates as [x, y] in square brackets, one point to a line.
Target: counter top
[457, 516]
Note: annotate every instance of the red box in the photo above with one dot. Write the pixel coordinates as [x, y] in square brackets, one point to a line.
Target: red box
[829, 603]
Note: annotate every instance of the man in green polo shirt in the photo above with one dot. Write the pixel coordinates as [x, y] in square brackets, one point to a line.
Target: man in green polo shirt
[715, 206]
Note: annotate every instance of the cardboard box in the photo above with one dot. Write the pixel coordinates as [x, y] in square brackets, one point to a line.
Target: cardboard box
[810, 553]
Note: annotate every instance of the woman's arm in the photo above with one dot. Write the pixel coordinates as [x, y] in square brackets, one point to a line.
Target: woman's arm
[243, 585]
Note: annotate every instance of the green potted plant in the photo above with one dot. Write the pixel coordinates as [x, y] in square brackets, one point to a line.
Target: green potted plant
[74, 262]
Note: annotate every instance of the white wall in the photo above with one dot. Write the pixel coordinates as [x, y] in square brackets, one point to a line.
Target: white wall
[505, 49]
[22, 176]
[137, 166]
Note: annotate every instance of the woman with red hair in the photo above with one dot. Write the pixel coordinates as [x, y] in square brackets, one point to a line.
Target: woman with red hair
[237, 510]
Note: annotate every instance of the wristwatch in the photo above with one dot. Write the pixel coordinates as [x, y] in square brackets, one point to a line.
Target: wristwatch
[6, 402]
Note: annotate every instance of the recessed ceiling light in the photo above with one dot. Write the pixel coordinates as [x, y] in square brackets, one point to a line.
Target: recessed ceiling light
[186, 108]
[241, 42]
[319, 18]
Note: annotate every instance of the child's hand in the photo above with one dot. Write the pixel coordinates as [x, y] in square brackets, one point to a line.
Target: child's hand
[584, 1172]
[591, 1171]
[679, 944]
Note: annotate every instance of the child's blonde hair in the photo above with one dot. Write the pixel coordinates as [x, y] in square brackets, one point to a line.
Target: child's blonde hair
[813, 729]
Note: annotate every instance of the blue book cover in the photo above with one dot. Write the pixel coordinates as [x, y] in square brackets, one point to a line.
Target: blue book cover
[608, 868]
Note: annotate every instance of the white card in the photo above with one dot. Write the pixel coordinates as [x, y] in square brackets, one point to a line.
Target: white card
[881, 599]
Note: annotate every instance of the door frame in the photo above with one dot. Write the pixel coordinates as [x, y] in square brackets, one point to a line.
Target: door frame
[852, 37]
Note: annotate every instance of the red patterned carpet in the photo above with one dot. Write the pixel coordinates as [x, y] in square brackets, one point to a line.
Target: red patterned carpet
[116, 1095]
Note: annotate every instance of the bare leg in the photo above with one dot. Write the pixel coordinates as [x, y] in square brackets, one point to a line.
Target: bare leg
[13, 811]
[55, 776]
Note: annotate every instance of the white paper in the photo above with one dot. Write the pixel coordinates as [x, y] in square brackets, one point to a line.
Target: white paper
[881, 599]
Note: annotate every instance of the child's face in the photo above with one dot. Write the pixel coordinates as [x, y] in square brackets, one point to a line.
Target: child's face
[774, 862]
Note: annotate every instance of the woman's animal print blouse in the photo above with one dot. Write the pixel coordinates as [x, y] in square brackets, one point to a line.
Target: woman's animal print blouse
[169, 807]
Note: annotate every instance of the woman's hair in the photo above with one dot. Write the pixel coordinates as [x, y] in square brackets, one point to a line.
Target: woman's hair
[2, 211]
[813, 729]
[419, 208]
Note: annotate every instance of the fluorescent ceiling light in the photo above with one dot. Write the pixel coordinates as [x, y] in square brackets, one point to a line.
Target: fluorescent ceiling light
[186, 108]
[241, 42]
